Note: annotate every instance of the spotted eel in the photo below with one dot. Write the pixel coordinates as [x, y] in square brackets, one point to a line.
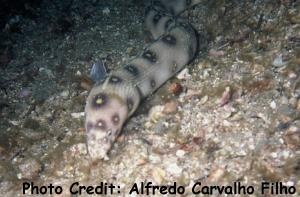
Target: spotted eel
[110, 103]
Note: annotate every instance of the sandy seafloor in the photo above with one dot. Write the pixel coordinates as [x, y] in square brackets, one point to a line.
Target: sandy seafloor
[235, 120]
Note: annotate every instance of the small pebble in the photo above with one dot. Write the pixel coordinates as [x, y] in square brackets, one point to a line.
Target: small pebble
[191, 93]
[216, 174]
[77, 114]
[14, 122]
[180, 153]
[206, 73]
[65, 93]
[226, 96]
[48, 72]
[274, 155]
[292, 137]
[174, 169]
[215, 53]
[156, 112]
[258, 68]
[273, 105]
[292, 75]
[203, 100]
[170, 107]
[158, 175]
[278, 62]
[184, 74]
[237, 116]
[85, 82]
[78, 73]
[141, 162]
[24, 93]
[106, 11]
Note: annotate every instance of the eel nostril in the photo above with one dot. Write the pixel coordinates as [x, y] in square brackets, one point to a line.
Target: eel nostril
[105, 140]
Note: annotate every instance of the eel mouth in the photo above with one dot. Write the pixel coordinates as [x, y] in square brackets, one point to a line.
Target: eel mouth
[99, 147]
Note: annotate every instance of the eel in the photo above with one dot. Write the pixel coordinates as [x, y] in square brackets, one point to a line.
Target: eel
[112, 101]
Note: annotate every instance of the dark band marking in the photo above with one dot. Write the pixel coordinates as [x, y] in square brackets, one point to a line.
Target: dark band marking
[152, 83]
[89, 126]
[99, 100]
[168, 23]
[188, 2]
[129, 104]
[132, 69]
[147, 10]
[115, 119]
[139, 91]
[159, 5]
[150, 56]
[191, 52]
[115, 79]
[101, 124]
[172, 11]
[187, 27]
[156, 18]
[169, 39]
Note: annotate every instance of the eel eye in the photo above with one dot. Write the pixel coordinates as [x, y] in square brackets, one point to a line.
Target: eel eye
[100, 100]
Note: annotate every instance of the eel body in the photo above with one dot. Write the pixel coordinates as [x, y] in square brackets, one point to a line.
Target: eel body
[112, 102]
